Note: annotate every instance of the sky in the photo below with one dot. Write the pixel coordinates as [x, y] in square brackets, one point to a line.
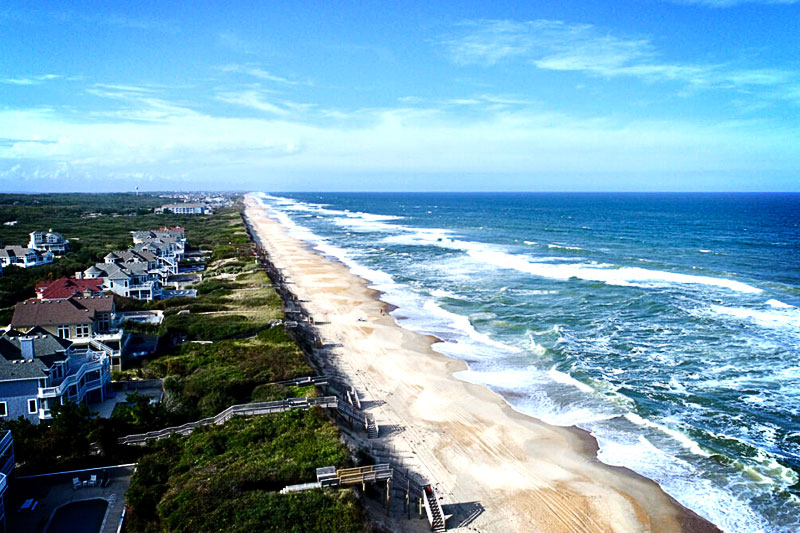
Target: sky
[639, 95]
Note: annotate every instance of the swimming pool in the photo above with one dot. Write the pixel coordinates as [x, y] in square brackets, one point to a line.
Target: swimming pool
[84, 516]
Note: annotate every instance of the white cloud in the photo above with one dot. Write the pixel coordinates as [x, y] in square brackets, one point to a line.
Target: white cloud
[257, 72]
[30, 80]
[409, 139]
[254, 100]
[137, 103]
[560, 46]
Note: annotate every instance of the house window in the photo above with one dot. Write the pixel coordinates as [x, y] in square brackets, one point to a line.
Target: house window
[3, 409]
[82, 330]
[103, 322]
[63, 332]
[32, 407]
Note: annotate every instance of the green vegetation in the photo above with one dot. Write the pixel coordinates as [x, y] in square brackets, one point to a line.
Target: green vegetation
[66, 442]
[226, 478]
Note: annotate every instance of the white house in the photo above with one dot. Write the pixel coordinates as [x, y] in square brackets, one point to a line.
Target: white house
[185, 209]
[48, 241]
[20, 256]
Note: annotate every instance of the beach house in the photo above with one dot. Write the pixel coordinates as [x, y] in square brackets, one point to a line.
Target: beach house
[167, 244]
[48, 241]
[22, 257]
[185, 209]
[71, 318]
[130, 281]
[39, 370]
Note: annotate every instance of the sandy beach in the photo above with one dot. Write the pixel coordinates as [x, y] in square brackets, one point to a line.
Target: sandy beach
[514, 472]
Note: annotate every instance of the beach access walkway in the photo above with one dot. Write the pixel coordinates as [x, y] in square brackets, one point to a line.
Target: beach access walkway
[247, 409]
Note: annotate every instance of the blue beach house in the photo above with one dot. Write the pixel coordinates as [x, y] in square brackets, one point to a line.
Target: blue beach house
[39, 370]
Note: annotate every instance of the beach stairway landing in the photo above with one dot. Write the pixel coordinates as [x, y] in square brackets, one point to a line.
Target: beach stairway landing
[329, 476]
[433, 509]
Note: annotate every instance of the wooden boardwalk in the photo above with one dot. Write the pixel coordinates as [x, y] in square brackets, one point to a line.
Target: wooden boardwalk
[247, 409]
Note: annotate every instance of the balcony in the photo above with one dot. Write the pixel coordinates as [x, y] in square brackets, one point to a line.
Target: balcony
[85, 361]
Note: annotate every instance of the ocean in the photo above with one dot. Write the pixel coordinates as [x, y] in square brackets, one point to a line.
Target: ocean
[666, 325]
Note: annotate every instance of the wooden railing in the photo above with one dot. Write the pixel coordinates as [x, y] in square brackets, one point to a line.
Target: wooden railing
[248, 409]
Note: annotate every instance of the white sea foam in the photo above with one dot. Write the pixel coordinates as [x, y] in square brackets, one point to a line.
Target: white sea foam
[609, 274]
[564, 247]
[566, 379]
[682, 438]
[779, 317]
[534, 347]
[681, 480]
[441, 293]
[462, 324]
[778, 304]
[533, 391]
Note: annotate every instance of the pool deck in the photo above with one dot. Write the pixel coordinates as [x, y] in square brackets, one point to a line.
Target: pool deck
[54, 491]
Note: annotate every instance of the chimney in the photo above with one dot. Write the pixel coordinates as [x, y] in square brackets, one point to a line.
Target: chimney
[78, 275]
[26, 347]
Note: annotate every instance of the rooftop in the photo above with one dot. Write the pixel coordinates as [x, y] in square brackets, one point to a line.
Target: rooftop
[75, 310]
[66, 287]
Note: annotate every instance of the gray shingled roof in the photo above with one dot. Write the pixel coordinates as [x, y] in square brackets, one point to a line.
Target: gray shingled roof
[9, 350]
[130, 256]
[22, 369]
[93, 271]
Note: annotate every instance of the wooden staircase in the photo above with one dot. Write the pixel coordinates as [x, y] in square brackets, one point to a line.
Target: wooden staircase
[372, 426]
[433, 509]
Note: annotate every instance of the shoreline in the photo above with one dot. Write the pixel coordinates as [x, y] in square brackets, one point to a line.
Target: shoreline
[466, 439]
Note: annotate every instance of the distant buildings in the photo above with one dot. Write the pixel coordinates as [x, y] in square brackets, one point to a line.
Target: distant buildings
[39, 370]
[185, 209]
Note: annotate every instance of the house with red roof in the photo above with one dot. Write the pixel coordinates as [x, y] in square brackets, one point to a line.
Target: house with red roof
[64, 288]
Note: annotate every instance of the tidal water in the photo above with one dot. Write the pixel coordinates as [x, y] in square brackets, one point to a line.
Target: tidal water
[666, 325]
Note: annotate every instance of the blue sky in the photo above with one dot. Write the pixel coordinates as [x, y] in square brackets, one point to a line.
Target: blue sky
[641, 95]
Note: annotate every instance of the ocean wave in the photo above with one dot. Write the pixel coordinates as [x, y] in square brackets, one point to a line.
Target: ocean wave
[532, 392]
[783, 318]
[460, 337]
[441, 293]
[564, 247]
[566, 379]
[778, 304]
[679, 479]
[610, 274]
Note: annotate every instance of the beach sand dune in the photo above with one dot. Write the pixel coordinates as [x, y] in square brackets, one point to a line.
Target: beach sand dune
[508, 471]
